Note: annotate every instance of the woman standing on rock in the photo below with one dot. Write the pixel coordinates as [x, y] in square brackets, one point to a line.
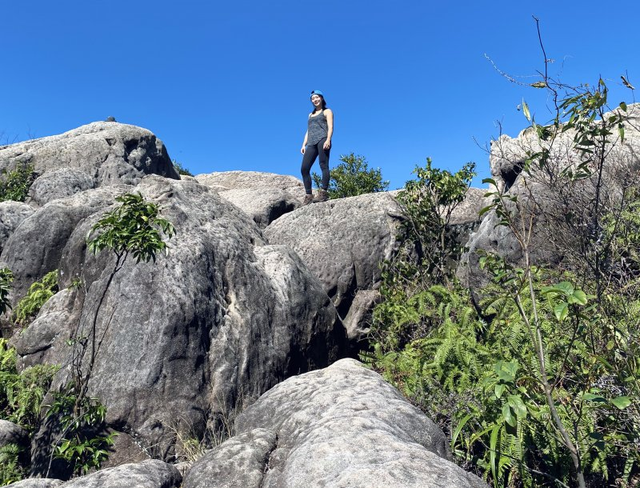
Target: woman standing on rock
[317, 144]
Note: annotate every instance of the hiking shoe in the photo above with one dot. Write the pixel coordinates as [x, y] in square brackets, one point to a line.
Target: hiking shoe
[321, 196]
[308, 198]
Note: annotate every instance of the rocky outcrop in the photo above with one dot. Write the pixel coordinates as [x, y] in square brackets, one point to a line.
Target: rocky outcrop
[11, 216]
[97, 154]
[262, 196]
[59, 183]
[215, 323]
[342, 242]
[245, 298]
[147, 474]
[559, 209]
[341, 426]
[35, 246]
[37, 483]
[11, 433]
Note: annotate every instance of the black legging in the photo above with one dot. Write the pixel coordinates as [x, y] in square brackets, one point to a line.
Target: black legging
[311, 152]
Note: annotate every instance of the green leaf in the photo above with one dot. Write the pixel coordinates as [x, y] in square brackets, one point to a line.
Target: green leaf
[564, 287]
[520, 409]
[561, 311]
[508, 416]
[499, 389]
[590, 397]
[621, 402]
[579, 297]
[525, 110]
[485, 210]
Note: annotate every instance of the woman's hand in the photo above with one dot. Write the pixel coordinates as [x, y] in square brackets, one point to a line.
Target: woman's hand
[302, 149]
[327, 145]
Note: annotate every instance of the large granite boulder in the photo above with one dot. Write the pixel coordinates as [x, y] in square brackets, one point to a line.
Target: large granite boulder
[341, 426]
[146, 474]
[11, 216]
[37, 483]
[182, 341]
[106, 152]
[35, 246]
[262, 196]
[342, 241]
[11, 433]
[558, 208]
[59, 183]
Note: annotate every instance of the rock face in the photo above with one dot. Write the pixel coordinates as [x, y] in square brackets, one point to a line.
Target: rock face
[37, 483]
[60, 183]
[35, 247]
[11, 215]
[557, 207]
[147, 474]
[341, 426]
[11, 433]
[262, 196]
[217, 322]
[105, 152]
[249, 294]
[342, 242]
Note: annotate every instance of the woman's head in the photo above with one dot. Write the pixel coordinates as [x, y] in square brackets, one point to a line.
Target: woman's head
[317, 99]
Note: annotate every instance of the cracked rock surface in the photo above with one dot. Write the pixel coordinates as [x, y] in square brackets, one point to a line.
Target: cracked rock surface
[342, 426]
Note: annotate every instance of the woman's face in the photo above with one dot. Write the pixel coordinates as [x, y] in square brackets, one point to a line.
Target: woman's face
[316, 100]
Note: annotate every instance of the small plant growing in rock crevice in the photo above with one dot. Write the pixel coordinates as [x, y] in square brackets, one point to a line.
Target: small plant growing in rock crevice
[15, 184]
[38, 294]
[134, 228]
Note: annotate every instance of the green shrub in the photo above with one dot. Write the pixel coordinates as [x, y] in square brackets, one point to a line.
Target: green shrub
[6, 278]
[21, 393]
[353, 177]
[536, 377]
[11, 470]
[15, 184]
[38, 294]
[181, 169]
[85, 440]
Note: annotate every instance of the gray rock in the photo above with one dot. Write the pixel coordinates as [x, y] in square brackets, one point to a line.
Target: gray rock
[35, 246]
[60, 183]
[358, 320]
[262, 196]
[109, 152]
[11, 433]
[147, 474]
[556, 207]
[341, 426]
[239, 462]
[36, 483]
[342, 241]
[11, 216]
[209, 327]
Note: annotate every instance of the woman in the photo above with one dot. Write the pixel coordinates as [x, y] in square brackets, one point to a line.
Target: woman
[317, 144]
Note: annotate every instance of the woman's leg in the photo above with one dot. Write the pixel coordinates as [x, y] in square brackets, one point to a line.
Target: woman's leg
[324, 164]
[309, 157]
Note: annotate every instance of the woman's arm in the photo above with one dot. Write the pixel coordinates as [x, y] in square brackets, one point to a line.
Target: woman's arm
[304, 143]
[329, 115]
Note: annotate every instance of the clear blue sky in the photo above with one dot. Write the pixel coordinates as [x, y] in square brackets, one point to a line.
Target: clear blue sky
[225, 84]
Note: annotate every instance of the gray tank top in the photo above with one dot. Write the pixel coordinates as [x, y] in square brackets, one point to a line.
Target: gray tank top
[318, 128]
